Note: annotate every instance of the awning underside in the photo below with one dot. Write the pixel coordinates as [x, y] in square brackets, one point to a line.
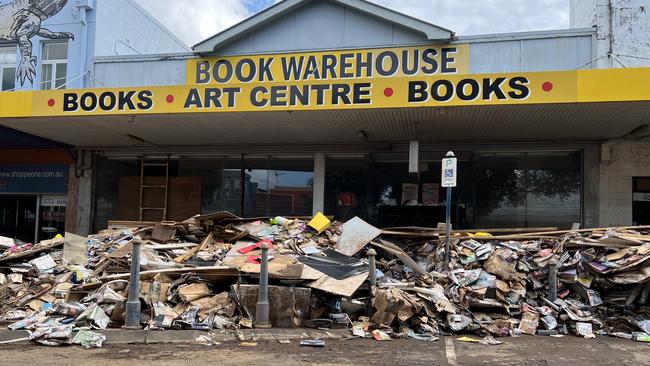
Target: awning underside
[520, 123]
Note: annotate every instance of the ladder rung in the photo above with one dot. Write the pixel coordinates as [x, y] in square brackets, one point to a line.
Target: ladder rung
[154, 164]
[153, 208]
[154, 186]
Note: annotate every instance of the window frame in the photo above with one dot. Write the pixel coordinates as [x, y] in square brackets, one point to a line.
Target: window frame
[55, 63]
[8, 65]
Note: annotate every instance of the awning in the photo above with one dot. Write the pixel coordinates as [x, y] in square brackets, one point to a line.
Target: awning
[545, 122]
[594, 105]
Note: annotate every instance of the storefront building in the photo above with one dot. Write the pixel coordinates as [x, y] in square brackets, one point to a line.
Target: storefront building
[38, 176]
[276, 116]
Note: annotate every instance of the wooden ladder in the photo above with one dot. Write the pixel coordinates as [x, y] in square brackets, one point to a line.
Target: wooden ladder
[143, 187]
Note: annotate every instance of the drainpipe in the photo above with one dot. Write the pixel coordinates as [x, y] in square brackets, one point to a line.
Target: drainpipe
[84, 6]
[610, 19]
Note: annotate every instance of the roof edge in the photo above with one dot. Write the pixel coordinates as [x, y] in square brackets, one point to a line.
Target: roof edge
[159, 24]
[554, 33]
[431, 31]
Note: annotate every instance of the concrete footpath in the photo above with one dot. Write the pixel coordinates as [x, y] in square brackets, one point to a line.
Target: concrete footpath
[448, 351]
[119, 336]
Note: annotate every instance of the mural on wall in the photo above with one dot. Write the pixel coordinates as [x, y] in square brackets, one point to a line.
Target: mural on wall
[20, 20]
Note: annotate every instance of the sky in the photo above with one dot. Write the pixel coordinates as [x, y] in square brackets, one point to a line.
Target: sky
[196, 20]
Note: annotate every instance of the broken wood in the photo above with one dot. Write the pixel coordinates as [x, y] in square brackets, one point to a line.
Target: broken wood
[191, 253]
[399, 253]
[45, 245]
[171, 246]
[603, 229]
[121, 224]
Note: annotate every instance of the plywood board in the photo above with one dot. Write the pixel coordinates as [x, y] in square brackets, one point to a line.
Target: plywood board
[285, 304]
[355, 235]
[184, 198]
[345, 287]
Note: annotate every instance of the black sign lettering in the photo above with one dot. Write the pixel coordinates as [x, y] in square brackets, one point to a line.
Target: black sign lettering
[346, 66]
[246, 66]
[299, 94]
[341, 94]
[364, 65]
[278, 96]
[217, 73]
[491, 87]
[320, 93]
[362, 93]
[330, 62]
[255, 96]
[429, 62]
[88, 102]
[265, 69]
[107, 101]
[410, 70]
[311, 69]
[447, 60]
[520, 86]
[193, 99]
[292, 68]
[125, 101]
[213, 97]
[392, 58]
[418, 92]
[202, 72]
[442, 84]
[70, 103]
[232, 96]
[468, 89]
[146, 100]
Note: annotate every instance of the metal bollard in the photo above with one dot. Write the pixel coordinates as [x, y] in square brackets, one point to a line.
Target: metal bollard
[372, 271]
[262, 306]
[372, 279]
[133, 306]
[552, 279]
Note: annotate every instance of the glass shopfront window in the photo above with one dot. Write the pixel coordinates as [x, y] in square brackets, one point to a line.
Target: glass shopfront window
[220, 180]
[110, 185]
[512, 189]
[496, 189]
[534, 189]
[277, 186]
[272, 186]
[346, 188]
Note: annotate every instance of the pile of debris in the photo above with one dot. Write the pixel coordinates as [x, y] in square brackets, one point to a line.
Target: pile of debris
[203, 273]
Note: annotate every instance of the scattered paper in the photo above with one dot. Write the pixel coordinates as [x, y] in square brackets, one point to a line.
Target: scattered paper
[88, 339]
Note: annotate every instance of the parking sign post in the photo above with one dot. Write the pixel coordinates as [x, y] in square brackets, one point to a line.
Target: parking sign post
[449, 180]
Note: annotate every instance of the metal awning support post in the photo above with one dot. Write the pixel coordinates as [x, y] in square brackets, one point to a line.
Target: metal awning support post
[262, 306]
[133, 306]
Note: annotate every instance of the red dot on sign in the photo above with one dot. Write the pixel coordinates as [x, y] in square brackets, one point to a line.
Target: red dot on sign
[547, 86]
[170, 99]
[51, 102]
[388, 92]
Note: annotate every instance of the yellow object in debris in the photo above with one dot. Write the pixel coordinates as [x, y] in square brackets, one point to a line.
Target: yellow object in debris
[482, 235]
[58, 236]
[468, 339]
[320, 222]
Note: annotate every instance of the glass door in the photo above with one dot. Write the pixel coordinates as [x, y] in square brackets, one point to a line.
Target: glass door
[52, 217]
[18, 217]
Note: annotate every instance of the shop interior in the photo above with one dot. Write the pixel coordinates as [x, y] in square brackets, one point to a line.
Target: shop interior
[32, 218]
[496, 189]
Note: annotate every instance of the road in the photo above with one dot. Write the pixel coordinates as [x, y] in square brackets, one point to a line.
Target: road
[524, 351]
